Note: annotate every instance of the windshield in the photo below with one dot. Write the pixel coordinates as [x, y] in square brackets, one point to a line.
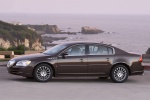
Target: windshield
[55, 49]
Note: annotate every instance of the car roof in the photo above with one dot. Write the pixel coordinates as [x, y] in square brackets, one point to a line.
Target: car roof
[73, 43]
[117, 50]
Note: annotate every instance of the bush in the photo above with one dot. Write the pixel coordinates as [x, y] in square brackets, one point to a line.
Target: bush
[17, 50]
[2, 49]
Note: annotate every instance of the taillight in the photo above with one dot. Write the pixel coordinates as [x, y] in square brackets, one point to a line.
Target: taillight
[140, 60]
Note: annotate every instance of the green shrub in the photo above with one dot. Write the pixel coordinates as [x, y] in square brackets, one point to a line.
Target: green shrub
[2, 49]
[17, 50]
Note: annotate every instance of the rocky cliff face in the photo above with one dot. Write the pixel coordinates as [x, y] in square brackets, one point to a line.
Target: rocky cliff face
[35, 46]
[15, 35]
[4, 43]
[89, 30]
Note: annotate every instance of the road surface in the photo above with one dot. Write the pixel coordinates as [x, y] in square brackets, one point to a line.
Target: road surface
[73, 88]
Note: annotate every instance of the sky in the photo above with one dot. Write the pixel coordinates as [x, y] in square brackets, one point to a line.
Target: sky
[76, 6]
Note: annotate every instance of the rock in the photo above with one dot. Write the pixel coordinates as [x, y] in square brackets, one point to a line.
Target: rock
[89, 30]
[44, 29]
[4, 43]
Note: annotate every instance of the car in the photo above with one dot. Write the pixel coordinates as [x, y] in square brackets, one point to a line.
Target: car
[78, 59]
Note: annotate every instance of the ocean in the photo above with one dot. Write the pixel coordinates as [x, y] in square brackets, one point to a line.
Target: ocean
[128, 32]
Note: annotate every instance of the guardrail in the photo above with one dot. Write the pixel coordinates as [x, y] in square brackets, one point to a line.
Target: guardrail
[10, 53]
[32, 52]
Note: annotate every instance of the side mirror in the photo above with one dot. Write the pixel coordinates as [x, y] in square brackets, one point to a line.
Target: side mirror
[64, 54]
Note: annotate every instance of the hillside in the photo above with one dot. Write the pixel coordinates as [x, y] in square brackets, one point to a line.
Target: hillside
[14, 35]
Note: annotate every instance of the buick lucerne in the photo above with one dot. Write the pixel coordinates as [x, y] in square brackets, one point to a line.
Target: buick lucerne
[78, 59]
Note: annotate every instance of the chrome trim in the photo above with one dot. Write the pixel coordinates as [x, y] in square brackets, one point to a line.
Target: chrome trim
[70, 65]
[59, 55]
[81, 73]
[97, 64]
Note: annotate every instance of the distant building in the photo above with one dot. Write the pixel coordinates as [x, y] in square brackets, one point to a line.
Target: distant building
[31, 28]
[15, 23]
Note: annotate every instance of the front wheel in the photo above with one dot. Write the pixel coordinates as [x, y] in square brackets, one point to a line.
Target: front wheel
[43, 73]
[119, 74]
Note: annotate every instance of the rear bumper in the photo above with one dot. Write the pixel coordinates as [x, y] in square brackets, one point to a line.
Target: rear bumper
[137, 73]
[137, 68]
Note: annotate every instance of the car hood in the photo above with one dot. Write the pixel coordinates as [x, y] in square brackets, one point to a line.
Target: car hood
[31, 56]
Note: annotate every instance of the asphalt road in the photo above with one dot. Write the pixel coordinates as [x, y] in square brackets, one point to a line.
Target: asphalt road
[73, 88]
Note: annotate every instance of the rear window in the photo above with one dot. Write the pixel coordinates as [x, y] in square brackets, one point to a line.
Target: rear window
[100, 50]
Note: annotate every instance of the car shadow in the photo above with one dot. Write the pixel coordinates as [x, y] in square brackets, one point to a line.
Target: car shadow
[72, 80]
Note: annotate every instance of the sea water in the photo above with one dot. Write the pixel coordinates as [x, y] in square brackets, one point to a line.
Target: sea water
[128, 32]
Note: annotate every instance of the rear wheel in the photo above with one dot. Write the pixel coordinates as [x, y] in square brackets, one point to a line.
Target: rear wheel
[43, 73]
[119, 74]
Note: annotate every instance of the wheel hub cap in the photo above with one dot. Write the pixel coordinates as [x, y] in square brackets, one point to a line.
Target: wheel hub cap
[120, 74]
[43, 73]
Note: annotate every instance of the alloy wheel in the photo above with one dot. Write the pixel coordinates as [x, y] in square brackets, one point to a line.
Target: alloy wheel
[43, 73]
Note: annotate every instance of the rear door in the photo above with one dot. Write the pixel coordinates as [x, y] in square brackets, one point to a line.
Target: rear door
[100, 59]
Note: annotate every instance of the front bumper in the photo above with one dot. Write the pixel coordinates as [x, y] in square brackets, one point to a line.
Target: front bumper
[21, 71]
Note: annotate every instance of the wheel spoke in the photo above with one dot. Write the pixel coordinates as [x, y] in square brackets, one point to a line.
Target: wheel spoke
[43, 73]
[120, 73]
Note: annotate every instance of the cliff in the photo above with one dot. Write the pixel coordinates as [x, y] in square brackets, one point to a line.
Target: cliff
[89, 30]
[44, 29]
[14, 35]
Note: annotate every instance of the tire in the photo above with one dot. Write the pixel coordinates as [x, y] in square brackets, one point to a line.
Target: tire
[103, 78]
[29, 77]
[43, 73]
[119, 74]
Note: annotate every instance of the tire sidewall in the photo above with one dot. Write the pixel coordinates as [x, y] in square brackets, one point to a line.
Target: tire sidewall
[35, 73]
[112, 74]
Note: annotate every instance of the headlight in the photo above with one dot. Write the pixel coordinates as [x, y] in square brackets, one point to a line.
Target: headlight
[23, 63]
[10, 63]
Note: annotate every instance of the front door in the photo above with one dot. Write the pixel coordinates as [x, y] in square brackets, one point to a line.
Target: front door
[74, 62]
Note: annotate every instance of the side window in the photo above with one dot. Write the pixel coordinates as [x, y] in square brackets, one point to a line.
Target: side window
[76, 50]
[110, 50]
[93, 49]
[99, 50]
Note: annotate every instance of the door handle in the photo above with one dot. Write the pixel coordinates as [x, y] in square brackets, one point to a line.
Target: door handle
[107, 59]
[81, 60]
